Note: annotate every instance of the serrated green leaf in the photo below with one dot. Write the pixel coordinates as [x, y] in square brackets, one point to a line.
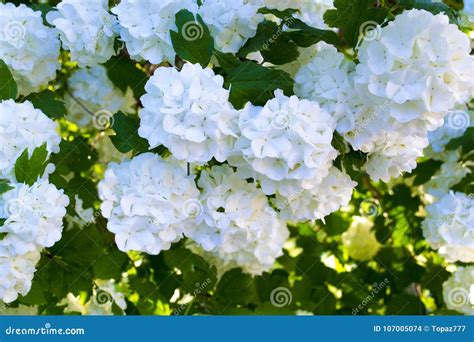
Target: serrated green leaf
[5, 186]
[124, 74]
[8, 88]
[304, 35]
[236, 287]
[27, 170]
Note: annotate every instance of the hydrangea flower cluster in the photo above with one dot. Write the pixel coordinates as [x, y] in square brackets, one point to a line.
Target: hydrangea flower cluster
[359, 240]
[449, 227]
[236, 223]
[188, 111]
[31, 215]
[29, 48]
[457, 290]
[86, 29]
[411, 73]
[231, 23]
[145, 27]
[93, 99]
[144, 200]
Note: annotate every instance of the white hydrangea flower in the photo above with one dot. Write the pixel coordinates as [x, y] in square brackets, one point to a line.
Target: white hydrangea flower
[394, 154]
[236, 223]
[452, 171]
[144, 200]
[332, 193]
[419, 62]
[146, 25]
[188, 111]
[23, 127]
[86, 29]
[29, 48]
[16, 272]
[359, 240]
[231, 23]
[286, 140]
[449, 226]
[325, 79]
[458, 289]
[92, 97]
[33, 216]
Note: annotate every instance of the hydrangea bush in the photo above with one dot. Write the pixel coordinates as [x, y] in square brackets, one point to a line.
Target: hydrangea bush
[200, 157]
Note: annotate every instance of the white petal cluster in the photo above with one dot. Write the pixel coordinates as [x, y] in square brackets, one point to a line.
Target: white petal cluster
[146, 25]
[33, 216]
[86, 29]
[17, 273]
[333, 192]
[92, 98]
[188, 111]
[144, 201]
[23, 127]
[411, 73]
[288, 139]
[458, 290]
[359, 240]
[236, 222]
[421, 62]
[29, 48]
[326, 79]
[449, 227]
[231, 23]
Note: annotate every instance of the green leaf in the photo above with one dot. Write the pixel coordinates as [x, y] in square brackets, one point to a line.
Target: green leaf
[265, 31]
[8, 88]
[48, 102]
[193, 41]
[304, 35]
[425, 170]
[350, 15]
[27, 170]
[226, 61]
[124, 74]
[5, 186]
[236, 287]
[255, 83]
[286, 14]
[126, 136]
